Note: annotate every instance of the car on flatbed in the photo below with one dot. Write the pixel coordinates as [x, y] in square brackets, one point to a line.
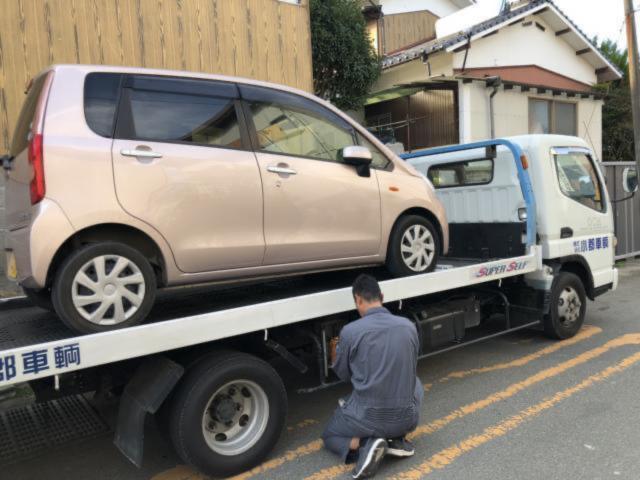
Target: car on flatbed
[124, 180]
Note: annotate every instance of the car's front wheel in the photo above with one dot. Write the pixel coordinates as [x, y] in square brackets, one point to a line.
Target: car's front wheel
[104, 286]
[414, 246]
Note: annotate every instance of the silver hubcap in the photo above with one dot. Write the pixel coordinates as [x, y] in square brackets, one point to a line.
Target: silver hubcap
[108, 290]
[569, 306]
[235, 418]
[417, 248]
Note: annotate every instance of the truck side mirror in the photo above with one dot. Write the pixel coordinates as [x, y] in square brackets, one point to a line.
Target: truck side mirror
[630, 180]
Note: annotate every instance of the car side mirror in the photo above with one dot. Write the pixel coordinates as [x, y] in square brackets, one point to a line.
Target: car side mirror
[630, 180]
[359, 157]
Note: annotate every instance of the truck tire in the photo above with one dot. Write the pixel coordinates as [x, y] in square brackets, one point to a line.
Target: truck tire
[227, 413]
[568, 305]
[40, 298]
[118, 277]
[414, 247]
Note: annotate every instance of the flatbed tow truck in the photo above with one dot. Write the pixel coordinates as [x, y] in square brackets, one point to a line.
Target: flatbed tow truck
[207, 368]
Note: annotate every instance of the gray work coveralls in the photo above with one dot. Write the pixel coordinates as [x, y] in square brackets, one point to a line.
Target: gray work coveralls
[378, 354]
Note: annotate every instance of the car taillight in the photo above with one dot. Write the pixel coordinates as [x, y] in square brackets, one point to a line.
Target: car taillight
[35, 153]
[36, 160]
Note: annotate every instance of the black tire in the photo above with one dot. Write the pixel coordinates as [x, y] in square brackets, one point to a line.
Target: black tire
[395, 262]
[557, 325]
[40, 298]
[191, 399]
[63, 283]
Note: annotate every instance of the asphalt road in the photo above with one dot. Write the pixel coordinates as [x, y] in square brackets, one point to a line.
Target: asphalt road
[519, 406]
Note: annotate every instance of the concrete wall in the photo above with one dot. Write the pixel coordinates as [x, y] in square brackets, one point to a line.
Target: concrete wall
[528, 45]
[511, 109]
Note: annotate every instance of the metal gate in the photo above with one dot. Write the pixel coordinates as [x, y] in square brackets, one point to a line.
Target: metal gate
[626, 213]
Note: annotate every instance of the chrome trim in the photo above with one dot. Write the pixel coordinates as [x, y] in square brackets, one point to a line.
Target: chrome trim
[140, 153]
[281, 170]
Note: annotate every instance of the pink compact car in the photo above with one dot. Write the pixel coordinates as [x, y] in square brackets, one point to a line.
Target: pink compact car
[121, 181]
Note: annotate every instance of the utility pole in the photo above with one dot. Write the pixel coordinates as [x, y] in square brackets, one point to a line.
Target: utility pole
[634, 75]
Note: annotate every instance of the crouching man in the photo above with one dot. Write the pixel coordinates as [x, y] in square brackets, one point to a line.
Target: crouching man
[378, 355]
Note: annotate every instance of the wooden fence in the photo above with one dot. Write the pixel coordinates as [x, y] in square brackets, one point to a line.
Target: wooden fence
[263, 39]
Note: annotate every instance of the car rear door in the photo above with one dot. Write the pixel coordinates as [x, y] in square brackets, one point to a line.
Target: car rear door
[316, 207]
[182, 164]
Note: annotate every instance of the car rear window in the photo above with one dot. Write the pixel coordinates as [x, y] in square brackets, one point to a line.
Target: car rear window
[21, 133]
[101, 92]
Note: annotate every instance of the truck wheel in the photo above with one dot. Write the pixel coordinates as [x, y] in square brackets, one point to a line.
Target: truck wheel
[40, 298]
[568, 306]
[414, 247]
[227, 413]
[104, 286]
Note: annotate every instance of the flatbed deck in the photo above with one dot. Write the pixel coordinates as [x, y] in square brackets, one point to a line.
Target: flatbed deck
[35, 344]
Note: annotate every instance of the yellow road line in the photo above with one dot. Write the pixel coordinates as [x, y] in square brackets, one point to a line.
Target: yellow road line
[289, 456]
[445, 457]
[586, 332]
[303, 424]
[510, 391]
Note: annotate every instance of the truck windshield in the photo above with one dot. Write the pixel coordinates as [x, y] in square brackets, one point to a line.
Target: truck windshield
[578, 179]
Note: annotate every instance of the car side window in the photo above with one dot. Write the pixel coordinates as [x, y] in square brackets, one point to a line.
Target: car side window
[379, 159]
[175, 116]
[578, 179]
[459, 174]
[101, 93]
[293, 125]
[296, 132]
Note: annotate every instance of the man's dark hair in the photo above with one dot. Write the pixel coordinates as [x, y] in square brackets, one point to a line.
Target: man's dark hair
[367, 287]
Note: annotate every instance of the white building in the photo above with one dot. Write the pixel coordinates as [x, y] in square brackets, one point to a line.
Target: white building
[453, 71]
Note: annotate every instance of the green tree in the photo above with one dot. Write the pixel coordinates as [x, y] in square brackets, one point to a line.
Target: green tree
[617, 116]
[345, 65]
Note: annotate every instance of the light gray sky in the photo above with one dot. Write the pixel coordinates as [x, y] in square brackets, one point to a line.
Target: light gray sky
[595, 17]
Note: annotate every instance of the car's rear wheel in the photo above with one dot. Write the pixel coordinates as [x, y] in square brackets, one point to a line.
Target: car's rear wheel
[414, 247]
[40, 298]
[104, 286]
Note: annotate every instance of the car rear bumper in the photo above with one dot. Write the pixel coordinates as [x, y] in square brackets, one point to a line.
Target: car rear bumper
[35, 245]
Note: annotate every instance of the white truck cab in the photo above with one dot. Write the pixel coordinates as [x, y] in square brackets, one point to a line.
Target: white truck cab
[574, 223]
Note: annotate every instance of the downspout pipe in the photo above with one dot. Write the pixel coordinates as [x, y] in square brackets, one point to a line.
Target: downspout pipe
[495, 83]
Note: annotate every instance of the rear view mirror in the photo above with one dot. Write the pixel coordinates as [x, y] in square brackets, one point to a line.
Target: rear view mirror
[359, 157]
[630, 180]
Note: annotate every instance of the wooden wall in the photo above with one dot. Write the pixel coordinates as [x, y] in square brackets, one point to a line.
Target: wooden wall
[428, 118]
[404, 29]
[263, 39]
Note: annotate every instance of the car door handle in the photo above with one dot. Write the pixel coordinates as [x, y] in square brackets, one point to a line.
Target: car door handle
[281, 170]
[140, 153]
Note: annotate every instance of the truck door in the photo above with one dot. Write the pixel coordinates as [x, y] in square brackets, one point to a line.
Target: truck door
[583, 213]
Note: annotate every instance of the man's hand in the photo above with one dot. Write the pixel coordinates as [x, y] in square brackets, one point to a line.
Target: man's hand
[333, 345]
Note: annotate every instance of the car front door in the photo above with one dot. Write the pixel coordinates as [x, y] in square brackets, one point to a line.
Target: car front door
[316, 207]
[182, 164]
